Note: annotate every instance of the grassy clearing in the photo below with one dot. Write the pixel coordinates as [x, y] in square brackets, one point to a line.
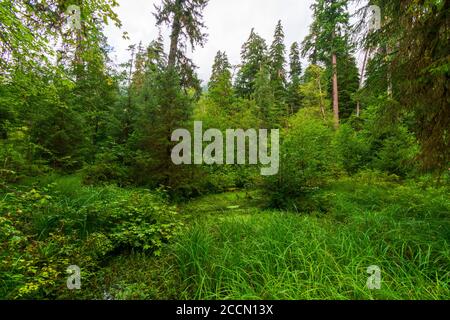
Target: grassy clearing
[404, 230]
[231, 247]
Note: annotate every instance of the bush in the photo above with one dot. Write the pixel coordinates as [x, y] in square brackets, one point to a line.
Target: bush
[397, 152]
[307, 160]
[352, 148]
[104, 173]
[43, 230]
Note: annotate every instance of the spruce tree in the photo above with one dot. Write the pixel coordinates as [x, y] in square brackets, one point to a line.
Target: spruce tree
[295, 72]
[328, 41]
[278, 77]
[253, 56]
[185, 18]
[220, 87]
[167, 102]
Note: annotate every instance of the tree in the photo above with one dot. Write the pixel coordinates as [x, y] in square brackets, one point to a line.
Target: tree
[348, 79]
[220, 87]
[278, 64]
[62, 105]
[328, 41]
[278, 76]
[166, 99]
[185, 18]
[295, 72]
[253, 56]
[417, 71]
[313, 90]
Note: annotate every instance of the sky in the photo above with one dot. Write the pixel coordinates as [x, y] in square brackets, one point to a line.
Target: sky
[228, 26]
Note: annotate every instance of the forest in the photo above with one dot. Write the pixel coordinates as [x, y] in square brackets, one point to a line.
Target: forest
[93, 207]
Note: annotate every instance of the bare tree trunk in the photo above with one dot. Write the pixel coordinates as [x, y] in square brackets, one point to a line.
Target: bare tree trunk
[322, 107]
[335, 92]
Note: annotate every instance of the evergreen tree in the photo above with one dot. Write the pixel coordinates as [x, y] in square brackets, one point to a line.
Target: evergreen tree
[253, 56]
[416, 72]
[348, 79]
[167, 102]
[295, 72]
[278, 77]
[220, 86]
[328, 41]
[185, 18]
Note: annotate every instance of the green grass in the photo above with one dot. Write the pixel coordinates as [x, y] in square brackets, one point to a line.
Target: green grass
[275, 255]
[233, 248]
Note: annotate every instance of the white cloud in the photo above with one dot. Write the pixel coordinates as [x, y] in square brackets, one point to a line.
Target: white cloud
[229, 23]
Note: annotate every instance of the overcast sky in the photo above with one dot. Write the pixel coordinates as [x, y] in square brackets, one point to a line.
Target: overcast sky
[229, 23]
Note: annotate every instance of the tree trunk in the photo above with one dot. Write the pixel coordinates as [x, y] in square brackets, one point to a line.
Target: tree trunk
[174, 37]
[335, 92]
[322, 105]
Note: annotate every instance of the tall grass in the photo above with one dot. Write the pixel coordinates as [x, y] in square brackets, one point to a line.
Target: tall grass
[274, 255]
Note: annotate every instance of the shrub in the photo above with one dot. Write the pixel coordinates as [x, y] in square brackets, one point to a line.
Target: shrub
[307, 160]
[352, 148]
[43, 230]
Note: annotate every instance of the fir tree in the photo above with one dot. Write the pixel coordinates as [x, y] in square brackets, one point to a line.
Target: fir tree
[328, 40]
[253, 56]
[295, 72]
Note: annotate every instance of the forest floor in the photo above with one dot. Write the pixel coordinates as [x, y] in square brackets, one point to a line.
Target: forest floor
[233, 246]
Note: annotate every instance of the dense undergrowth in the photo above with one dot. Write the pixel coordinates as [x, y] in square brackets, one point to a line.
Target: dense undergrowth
[50, 225]
[132, 244]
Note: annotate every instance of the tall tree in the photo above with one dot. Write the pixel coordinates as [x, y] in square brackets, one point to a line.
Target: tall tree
[295, 73]
[328, 40]
[167, 100]
[220, 86]
[277, 61]
[253, 57]
[278, 75]
[185, 18]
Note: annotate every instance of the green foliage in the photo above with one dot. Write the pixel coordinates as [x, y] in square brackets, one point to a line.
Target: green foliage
[254, 56]
[277, 62]
[306, 160]
[373, 220]
[413, 43]
[314, 90]
[356, 194]
[46, 229]
[353, 149]
[294, 98]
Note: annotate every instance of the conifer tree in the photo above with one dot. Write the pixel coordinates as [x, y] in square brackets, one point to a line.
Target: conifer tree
[278, 77]
[220, 86]
[185, 18]
[328, 41]
[295, 73]
[253, 56]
